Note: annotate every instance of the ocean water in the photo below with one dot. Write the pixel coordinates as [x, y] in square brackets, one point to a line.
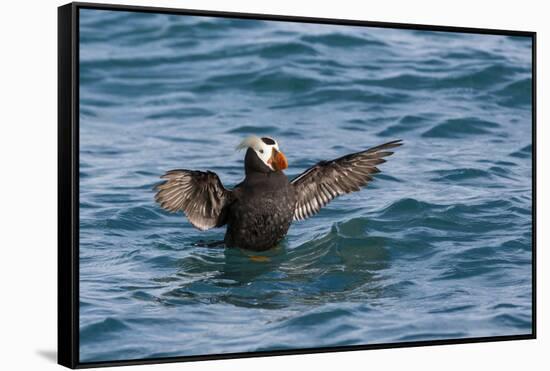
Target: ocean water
[437, 247]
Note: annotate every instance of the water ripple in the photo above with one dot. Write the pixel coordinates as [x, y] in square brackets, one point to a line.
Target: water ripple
[437, 247]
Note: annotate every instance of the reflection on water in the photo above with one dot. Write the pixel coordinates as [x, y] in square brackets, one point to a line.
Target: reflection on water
[327, 269]
[438, 247]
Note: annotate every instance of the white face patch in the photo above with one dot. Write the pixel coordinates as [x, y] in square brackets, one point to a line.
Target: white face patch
[262, 146]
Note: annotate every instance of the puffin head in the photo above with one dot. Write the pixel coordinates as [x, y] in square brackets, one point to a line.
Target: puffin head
[263, 154]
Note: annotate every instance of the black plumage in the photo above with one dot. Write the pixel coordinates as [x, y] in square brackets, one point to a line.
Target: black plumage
[323, 182]
[259, 211]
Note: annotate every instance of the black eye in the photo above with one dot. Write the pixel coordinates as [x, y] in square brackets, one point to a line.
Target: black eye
[261, 151]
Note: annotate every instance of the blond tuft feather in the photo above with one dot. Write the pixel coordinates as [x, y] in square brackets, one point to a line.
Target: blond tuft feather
[249, 142]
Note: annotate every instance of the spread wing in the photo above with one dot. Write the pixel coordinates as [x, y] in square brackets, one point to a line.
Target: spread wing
[327, 180]
[200, 195]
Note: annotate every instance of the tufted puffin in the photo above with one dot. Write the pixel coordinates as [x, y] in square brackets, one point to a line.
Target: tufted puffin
[259, 210]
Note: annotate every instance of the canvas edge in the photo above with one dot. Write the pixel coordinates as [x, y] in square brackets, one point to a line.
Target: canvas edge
[300, 19]
[67, 236]
[298, 351]
[534, 184]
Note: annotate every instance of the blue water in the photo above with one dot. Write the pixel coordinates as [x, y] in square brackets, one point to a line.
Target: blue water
[438, 247]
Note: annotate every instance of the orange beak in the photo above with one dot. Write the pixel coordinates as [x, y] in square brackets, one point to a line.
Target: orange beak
[277, 160]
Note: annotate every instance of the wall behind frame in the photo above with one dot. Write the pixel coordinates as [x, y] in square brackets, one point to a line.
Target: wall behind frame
[28, 155]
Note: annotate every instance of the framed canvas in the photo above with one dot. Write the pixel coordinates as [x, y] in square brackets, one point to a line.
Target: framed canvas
[240, 185]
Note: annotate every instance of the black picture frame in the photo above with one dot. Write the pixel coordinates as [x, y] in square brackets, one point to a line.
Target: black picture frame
[68, 182]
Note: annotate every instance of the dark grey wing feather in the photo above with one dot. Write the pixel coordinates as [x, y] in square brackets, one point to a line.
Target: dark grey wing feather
[200, 195]
[327, 180]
